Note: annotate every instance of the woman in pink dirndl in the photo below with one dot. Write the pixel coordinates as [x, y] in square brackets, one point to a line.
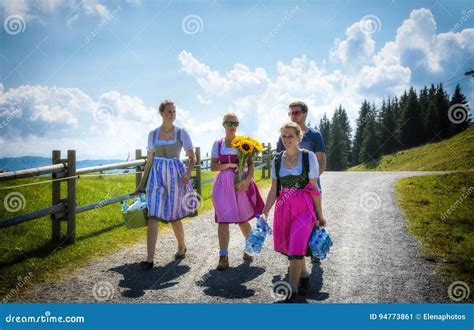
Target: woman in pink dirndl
[231, 205]
[298, 205]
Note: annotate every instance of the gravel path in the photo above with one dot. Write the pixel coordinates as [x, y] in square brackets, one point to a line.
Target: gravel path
[373, 259]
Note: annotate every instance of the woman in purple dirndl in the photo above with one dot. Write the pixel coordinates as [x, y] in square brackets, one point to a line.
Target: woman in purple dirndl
[231, 205]
[298, 205]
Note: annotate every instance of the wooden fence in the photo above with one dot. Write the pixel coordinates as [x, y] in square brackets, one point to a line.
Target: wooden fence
[64, 169]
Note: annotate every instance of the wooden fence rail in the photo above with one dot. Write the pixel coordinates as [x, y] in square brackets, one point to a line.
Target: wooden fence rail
[64, 169]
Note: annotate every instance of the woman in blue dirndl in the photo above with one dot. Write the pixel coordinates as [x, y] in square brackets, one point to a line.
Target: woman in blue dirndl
[169, 192]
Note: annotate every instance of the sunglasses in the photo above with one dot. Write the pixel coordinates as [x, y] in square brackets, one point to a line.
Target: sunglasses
[231, 123]
[295, 113]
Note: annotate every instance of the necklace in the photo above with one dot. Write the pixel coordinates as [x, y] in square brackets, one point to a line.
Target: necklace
[291, 160]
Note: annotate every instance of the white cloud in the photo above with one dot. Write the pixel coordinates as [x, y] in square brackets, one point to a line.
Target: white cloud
[239, 79]
[262, 110]
[36, 119]
[416, 55]
[72, 19]
[94, 7]
[427, 54]
[358, 47]
[15, 7]
[38, 10]
[49, 6]
[210, 81]
[202, 100]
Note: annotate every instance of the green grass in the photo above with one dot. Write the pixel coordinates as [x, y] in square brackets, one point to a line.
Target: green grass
[454, 154]
[27, 248]
[440, 214]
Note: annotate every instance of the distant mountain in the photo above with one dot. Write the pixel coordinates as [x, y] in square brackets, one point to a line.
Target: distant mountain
[20, 163]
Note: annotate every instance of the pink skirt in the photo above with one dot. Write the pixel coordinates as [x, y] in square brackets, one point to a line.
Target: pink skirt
[231, 206]
[294, 220]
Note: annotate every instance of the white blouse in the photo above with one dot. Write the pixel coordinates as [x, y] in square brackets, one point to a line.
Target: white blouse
[185, 139]
[298, 168]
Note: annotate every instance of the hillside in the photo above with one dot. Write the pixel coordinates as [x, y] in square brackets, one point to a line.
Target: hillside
[454, 154]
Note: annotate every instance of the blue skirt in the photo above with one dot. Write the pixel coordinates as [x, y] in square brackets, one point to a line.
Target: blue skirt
[167, 199]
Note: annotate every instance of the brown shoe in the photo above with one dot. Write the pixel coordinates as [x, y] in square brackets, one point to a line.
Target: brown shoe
[223, 263]
[248, 257]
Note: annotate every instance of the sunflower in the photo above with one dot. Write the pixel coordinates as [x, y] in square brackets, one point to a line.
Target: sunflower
[246, 147]
[258, 146]
[236, 142]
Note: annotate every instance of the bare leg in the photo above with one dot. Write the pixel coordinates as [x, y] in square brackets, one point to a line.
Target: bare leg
[245, 228]
[179, 233]
[303, 266]
[223, 233]
[295, 272]
[151, 237]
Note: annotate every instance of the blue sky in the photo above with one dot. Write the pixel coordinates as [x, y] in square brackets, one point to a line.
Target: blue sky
[88, 75]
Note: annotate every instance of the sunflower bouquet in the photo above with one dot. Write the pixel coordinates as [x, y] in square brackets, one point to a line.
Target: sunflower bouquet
[246, 147]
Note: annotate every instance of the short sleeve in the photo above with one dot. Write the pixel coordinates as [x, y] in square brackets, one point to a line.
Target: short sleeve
[280, 146]
[319, 142]
[273, 171]
[186, 140]
[149, 146]
[214, 151]
[313, 166]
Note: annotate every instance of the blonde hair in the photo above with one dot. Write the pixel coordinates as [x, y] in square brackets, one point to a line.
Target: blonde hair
[227, 115]
[164, 104]
[295, 126]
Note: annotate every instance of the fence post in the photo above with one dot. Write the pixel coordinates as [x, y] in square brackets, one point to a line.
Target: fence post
[198, 171]
[264, 153]
[138, 176]
[71, 196]
[269, 158]
[55, 196]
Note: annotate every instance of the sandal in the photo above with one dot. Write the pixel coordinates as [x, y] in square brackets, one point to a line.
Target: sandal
[180, 256]
[145, 265]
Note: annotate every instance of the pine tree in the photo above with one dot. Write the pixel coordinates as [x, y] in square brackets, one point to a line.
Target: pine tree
[339, 141]
[412, 123]
[324, 127]
[370, 148]
[460, 116]
[398, 118]
[424, 103]
[442, 106]
[388, 127]
[432, 123]
[346, 126]
[360, 125]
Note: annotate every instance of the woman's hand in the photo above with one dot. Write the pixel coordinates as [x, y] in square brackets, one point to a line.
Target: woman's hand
[185, 179]
[139, 190]
[322, 222]
[244, 185]
[232, 165]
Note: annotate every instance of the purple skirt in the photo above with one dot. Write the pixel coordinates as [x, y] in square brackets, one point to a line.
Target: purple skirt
[231, 206]
[294, 220]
